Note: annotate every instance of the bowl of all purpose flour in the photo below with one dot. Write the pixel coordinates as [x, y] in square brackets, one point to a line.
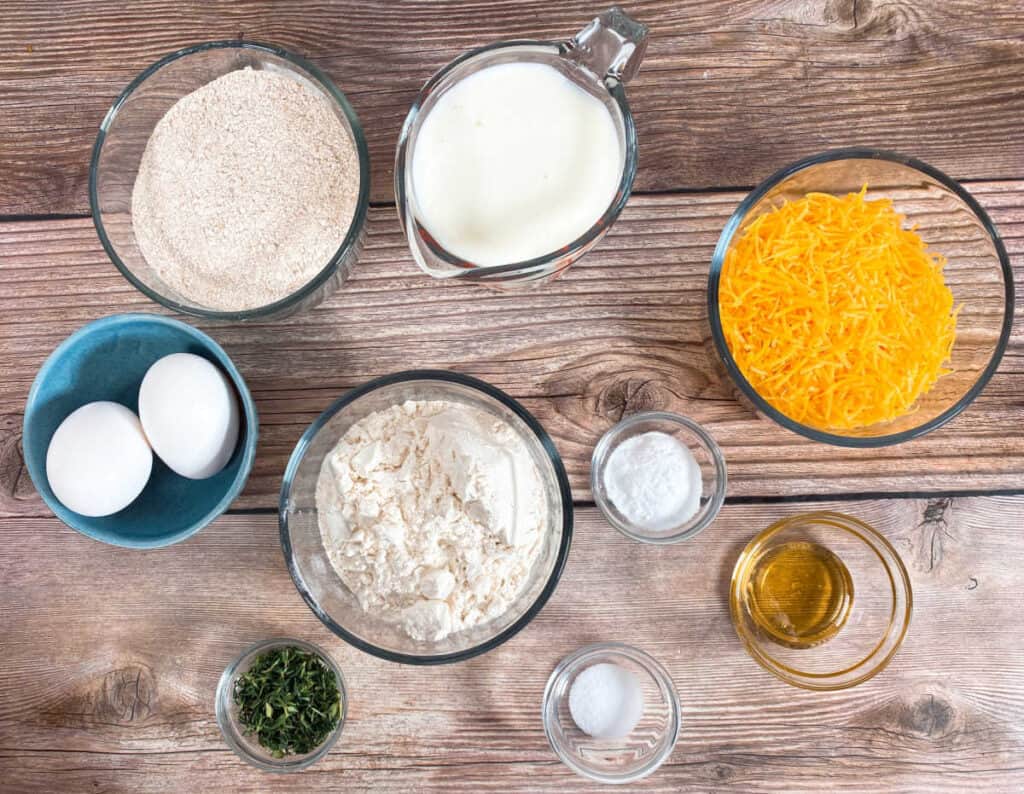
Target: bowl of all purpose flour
[230, 180]
[425, 517]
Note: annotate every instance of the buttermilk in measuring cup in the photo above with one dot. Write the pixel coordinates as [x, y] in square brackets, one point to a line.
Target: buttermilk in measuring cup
[513, 162]
[517, 157]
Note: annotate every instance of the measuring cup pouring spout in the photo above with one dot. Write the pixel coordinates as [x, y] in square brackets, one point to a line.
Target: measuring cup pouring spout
[610, 48]
[599, 60]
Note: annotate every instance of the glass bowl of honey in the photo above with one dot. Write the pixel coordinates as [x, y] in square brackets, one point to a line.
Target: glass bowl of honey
[821, 600]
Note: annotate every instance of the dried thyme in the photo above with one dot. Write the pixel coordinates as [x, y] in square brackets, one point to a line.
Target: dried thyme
[289, 700]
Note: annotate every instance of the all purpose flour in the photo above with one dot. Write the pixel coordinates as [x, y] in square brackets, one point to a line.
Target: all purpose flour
[433, 514]
[245, 191]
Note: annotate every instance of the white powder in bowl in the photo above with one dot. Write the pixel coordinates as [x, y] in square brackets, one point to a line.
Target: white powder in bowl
[433, 514]
[606, 701]
[245, 191]
[654, 481]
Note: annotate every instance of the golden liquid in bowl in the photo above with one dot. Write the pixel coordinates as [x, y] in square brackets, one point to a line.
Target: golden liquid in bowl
[799, 594]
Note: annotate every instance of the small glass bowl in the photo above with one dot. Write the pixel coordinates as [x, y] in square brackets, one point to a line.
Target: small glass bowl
[951, 222]
[248, 748]
[696, 439]
[623, 760]
[875, 620]
[122, 139]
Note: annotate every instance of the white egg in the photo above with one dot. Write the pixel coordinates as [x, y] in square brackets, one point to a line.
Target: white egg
[98, 461]
[189, 411]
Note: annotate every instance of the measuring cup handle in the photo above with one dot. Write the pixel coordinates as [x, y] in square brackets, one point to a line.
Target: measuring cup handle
[611, 46]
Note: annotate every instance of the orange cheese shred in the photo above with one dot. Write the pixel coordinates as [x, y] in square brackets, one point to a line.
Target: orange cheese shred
[835, 313]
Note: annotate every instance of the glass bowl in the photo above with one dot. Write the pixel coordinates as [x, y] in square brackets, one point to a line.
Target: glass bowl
[696, 439]
[866, 626]
[637, 754]
[248, 748]
[951, 222]
[321, 587]
[122, 139]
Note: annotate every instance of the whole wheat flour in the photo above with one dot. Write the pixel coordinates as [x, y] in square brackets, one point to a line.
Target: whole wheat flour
[433, 514]
[246, 189]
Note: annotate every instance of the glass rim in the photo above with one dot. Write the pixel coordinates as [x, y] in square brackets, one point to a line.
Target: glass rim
[654, 668]
[816, 434]
[348, 243]
[715, 503]
[561, 478]
[899, 581]
[228, 726]
[467, 270]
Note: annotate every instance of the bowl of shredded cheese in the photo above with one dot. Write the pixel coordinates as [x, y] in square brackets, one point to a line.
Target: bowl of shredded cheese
[860, 298]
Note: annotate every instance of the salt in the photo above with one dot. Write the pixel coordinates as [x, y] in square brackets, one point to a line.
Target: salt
[606, 701]
[654, 481]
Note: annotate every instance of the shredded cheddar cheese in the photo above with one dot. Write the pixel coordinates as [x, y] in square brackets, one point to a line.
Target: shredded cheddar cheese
[837, 315]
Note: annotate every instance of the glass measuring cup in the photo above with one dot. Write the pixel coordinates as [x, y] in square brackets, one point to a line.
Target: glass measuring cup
[600, 59]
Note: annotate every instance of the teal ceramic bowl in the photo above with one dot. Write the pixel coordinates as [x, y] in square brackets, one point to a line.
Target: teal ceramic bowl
[106, 360]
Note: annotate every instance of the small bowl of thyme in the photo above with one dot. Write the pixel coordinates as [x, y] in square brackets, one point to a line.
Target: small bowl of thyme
[281, 705]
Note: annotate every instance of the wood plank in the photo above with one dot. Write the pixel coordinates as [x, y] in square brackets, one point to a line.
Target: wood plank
[625, 330]
[730, 91]
[111, 658]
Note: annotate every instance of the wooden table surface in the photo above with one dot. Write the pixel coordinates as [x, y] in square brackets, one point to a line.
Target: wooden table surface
[109, 657]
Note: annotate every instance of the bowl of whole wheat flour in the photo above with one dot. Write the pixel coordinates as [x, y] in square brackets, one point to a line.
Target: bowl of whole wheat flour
[230, 181]
[425, 517]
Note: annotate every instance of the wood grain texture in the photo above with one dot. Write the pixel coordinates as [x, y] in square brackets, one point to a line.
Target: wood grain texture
[729, 92]
[111, 658]
[625, 330]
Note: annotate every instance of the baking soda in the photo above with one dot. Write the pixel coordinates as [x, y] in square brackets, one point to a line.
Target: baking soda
[654, 481]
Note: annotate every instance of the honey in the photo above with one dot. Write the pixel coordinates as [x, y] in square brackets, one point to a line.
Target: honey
[799, 594]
